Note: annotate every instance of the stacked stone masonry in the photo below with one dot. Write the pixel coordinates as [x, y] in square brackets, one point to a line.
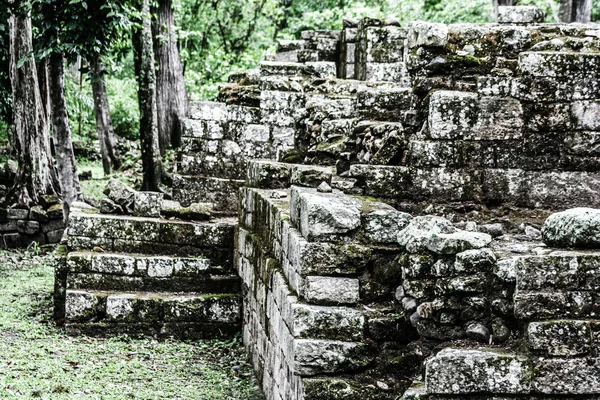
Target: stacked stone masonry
[42, 224]
[390, 184]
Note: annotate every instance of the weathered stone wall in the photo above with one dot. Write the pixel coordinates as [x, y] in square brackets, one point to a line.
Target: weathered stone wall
[348, 297]
[20, 227]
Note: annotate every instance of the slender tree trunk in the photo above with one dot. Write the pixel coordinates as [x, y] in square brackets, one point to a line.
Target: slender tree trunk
[144, 66]
[104, 126]
[171, 96]
[575, 11]
[63, 143]
[36, 175]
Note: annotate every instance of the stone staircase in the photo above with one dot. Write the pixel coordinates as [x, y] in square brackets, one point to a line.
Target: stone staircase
[140, 275]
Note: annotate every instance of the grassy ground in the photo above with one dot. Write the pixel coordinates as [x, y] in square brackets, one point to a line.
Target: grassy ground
[37, 360]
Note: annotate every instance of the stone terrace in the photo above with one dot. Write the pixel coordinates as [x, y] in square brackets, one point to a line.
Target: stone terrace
[391, 184]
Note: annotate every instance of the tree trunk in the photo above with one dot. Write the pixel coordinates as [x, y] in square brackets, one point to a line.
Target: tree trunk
[171, 96]
[43, 79]
[63, 143]
[144, 66]
[498, 3]
[104, 126]
[575, 11]
[36, 175]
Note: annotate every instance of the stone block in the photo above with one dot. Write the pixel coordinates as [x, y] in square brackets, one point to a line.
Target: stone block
[311, 176]
[121, 194]
[333, 323]
[81, 306]
[461, 371]
[147, 204]
[17, 213]
[498, 119]
[381, 223]
[520, 15]
[221, 192]
[583, 143]
[560, 338]
[577, 227]
[586, 115]
[208, 111]
[559, 64]
[324, 216]
[533, 306]
[314, 357]
[224, 308]
[28, 227]
[573, 376]
[474, 261]
[385, 104]
[452, 115]
[427, 34]
[570, 270]
[331, 290]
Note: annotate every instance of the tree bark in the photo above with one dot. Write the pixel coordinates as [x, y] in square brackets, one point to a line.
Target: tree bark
[575, 11]
[171, 96]
[144, 66]
[43, 79]
[104, 127]
[36, 175]
[63, 143]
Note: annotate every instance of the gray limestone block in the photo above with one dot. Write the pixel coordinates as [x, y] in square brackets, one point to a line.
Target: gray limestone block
[572, 376]
[577, 227]
[324, 216]
[499, 86]
[313, 357]
[332, 323]
[331, 290]
[268, 174]
[17, 213]
[387, 72]
[309, 175]
[28, 227]
[462, 371]
[560, 338]
[498, 119]
[121, 194]
[427, 34]
[81, 306]
[559, 270]
[473, 261]
[208, 111]
[559, 64]
[247, 115]
[586, 115]
[268, 68]
[457, 242]
[452, 114]
[386, 104]
[225, 308]
[551, 117]
[131, 308]
[147, 204]
[583, 143]
[193, 128]
[520, 15]
[534, 306]
[415, 237]
[381, 223]
[55, 236]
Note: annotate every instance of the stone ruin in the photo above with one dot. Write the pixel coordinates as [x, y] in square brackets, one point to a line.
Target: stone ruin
[390, 185]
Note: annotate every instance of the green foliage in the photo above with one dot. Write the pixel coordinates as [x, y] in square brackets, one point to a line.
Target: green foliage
[124, 109]
[80, 107]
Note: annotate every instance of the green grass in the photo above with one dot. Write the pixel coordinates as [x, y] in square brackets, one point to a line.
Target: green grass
[38, 360]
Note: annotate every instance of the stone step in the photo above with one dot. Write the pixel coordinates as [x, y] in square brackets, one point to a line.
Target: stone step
[222, 192]
[156, 313]
[114, 271]
[117, 233]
